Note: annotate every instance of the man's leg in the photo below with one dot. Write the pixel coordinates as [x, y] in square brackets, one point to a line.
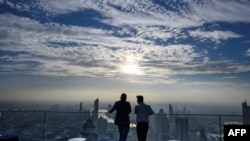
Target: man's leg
[138, 131]
[142, 130]
[123, 130]
[145, 131]
[120, 128]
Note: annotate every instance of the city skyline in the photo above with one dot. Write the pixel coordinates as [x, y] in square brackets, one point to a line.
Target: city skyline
[173, 51]
[96, 126]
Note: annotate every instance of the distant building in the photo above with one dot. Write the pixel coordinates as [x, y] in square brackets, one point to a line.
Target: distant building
[162, 124]
[102, 126]
[96, 105]
[181, 124]
[193, 122]
[171, 121]
[246, 112]
[89, 132]
[109, 107]
[80, 107]
[203, 136]
[194, 136]
[114, 134]
[95, 111]
[171, 112]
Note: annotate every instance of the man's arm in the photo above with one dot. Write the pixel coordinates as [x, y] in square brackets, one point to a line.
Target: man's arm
[135, 109]
[129, 111]
[113, 108]
[151, 112]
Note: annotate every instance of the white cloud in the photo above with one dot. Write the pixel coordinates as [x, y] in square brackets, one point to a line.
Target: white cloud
[83, 51]
[73, 50]
[220, 11]
[190, 12]
[215, 35]
[248, 52]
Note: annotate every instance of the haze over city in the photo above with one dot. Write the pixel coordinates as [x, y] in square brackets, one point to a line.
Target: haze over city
[169, 51]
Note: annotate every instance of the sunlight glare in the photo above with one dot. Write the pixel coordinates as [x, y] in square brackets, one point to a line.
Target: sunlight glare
[131, 66]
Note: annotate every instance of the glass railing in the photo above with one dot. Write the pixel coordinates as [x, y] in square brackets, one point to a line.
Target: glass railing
[55, 126]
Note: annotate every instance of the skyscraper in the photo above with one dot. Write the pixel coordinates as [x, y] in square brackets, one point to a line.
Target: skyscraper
[102, 126]
[171, 112]
[203, 136]
[80, 107]
[181, 124]
[162, 124]
[96, 104]
[171, 121]
[245, 113]
[88, 131]
[95, 111]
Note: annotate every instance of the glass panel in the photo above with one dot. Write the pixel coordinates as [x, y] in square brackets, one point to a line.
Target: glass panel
[100, 126]
[185, 127]
[26, 125]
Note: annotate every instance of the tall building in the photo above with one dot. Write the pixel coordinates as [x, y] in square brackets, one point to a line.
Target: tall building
[171, 112]
[88, 131]
[246, 113]
[203, 136]
[171, 121]
[102, 126]
[181, 124]
[96, 104]
[162, 124]
[95, 111]
[80, 107]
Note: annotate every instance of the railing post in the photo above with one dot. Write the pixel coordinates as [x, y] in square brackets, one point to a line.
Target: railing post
[44, 126]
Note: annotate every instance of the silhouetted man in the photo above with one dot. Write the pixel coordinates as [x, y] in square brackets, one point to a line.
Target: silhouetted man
[142, 111]
[123, 109]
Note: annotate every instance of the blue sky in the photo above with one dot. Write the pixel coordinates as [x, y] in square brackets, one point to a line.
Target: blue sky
[194, 51]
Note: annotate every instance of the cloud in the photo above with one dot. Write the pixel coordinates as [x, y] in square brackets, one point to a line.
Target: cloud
[248, 52]
[215, 35]
[73, 50]
[184, 14]
[170, 14]
[141, 29]
[220, 11]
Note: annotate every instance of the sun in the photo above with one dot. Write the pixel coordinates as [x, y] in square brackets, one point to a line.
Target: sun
[131, 66]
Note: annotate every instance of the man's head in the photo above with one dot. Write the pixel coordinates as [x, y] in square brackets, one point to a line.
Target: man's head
[123, 96]
[139, 98]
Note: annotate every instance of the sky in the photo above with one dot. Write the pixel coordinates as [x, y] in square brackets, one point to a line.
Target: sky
[193, 51]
